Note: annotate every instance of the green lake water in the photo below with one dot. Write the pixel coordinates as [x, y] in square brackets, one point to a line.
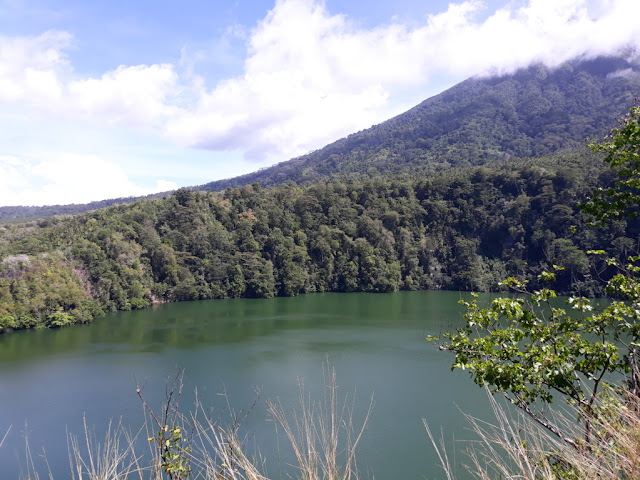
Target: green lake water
[50, 379]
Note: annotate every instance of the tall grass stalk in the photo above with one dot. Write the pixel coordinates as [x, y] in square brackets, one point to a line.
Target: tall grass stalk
[31, 470]
[219, 452]
[6, 434]
[322, 434]
[114, 458]
[514, 447]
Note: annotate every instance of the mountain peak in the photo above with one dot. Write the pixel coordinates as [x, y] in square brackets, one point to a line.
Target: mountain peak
[535, 111]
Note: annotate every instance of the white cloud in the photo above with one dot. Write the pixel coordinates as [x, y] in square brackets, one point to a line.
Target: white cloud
[67, 178]
[35, 72]
[310, 77]
[137, 95]
[30, 66]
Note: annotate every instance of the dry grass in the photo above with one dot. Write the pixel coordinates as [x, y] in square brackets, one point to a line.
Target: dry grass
[114, 458]
[324, 442]
[219, 452]
[516, 448]
[316, 433]
[321, 433]
[31, 471]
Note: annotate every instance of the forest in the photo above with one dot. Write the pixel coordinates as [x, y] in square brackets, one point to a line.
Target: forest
[458, 229]
[472, 186]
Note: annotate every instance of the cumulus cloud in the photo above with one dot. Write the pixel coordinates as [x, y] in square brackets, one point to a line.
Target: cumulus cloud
[30, 67]
[137, 95]
[67, 178]
[546, 31]
[312, 76]
[36, 73]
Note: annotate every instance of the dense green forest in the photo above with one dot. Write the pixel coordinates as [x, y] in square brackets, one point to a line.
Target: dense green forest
[439, 197]
[464, 228]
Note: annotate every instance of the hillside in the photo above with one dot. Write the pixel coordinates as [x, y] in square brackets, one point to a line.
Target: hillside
[534, 112]
[461, 228]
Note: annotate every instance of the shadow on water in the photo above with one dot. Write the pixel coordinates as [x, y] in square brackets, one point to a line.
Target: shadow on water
[214, 322]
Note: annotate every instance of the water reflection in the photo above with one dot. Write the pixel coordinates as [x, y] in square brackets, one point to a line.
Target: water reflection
[376, 343]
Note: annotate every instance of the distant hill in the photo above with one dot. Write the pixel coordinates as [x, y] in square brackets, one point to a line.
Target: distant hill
[21, 213]
[532, 113]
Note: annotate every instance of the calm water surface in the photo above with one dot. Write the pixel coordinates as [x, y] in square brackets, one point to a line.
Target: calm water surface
[50, 379]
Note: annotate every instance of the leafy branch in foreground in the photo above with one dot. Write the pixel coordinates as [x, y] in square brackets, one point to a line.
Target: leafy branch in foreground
[622, 155]
[528, 349]
[170, 446]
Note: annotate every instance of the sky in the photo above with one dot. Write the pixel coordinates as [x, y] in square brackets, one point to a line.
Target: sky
[106, 99]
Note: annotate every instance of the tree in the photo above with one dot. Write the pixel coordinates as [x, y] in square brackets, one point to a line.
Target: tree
[623, 156]
[531, 351]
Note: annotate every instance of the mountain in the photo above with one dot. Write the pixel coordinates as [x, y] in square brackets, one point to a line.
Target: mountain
[533, 112]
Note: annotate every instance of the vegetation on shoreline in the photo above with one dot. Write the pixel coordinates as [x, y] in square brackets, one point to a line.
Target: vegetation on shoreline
[463, 229]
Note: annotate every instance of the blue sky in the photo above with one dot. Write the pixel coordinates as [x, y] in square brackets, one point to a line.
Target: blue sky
[107, 99]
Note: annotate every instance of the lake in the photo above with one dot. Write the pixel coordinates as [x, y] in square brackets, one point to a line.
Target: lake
[51, 379]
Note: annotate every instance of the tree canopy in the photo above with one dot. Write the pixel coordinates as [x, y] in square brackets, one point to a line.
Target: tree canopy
[461, 229]
[532, 350]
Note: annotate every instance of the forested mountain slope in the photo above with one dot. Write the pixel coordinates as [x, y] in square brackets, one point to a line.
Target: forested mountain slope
[534, 112]
[461, 228]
